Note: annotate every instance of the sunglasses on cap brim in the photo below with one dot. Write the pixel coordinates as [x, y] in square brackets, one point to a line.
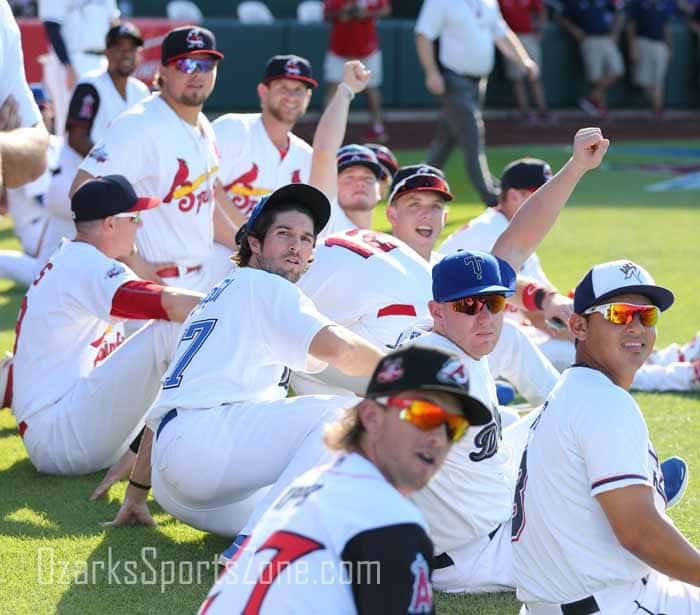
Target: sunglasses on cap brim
[623, 313]
[426, 415]
[423, 182]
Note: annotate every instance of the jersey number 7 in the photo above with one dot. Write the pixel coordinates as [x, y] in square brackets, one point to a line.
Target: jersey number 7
[197, 333]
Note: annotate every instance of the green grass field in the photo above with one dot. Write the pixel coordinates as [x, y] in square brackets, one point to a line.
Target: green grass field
[56, 557]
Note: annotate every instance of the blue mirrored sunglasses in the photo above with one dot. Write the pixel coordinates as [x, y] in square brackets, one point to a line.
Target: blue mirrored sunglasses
[192, 65]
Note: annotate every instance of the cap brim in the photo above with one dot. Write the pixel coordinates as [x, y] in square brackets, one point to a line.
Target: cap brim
[474, 411]
[303, 194]
[480, 290]
[307, 80]
[143, 203]
[375, 167]
[661, 297]
[197, 52]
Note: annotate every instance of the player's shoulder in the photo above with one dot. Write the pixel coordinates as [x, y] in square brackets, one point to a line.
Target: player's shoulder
[92, 77]
[299, 144]
[139, 86]
[233, 124]
[593, 393]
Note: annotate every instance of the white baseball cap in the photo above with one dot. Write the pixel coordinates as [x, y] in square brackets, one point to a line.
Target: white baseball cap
[617, 278]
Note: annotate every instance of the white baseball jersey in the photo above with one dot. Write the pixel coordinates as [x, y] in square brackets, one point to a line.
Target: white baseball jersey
[84, 23]
[64, 326]
[164, 156]
[472, 494]
[372, 283]
[241, 359]
[12, 78]
[337, 222]
[481, 233]
[340, 540]
[591, 438]
[251, 164]
[96, 101]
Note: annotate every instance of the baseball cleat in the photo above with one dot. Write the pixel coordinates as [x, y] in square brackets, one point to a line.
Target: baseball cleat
[231, 551]
[675, 472]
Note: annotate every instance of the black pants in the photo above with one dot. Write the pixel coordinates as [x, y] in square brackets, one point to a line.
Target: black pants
[461, 123]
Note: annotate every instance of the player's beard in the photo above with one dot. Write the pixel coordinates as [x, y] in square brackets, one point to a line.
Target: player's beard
[290, 118]
[194, 100]
[271, 266]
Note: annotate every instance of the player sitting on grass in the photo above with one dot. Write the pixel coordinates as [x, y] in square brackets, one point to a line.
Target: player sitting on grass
[95, 388]
[589, 529]
[348, 527]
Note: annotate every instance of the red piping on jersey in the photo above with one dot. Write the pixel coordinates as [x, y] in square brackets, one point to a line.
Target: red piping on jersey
[7, 399]
[139, 299]
[397, 309]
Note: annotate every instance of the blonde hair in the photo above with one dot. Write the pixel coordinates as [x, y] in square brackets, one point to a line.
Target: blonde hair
[345, 433]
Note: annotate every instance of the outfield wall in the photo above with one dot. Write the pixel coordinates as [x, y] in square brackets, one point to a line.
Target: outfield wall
[248, 47]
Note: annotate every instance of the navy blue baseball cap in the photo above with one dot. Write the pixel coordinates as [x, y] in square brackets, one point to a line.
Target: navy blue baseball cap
[620, 277]
[471, 272]
[101, 197]
[289, 67]
[525, 174]
[188, 41]
[299, 194]
[386, 158]
[350, 155]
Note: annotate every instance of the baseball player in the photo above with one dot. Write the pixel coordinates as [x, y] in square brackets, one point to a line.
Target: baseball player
[335, 519]
[389, 163]
[76, 32]
[228, 380]
[22, 149]
[98, 98]
[472, 545]
[165, 146]
[259, 152]
[589, 530]
[26, 208]
[673, 368]
[95, 389]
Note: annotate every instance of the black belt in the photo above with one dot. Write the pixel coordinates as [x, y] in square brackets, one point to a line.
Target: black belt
[93, 52]
[165, 420]
[586, 606]
[444, 560]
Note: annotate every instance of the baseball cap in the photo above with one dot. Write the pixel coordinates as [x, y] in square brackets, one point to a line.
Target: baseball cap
[106, 196]
[416, 368]
[124, 29]
[422, 180]
[289, 67]
[188, 41]
[471, 272]
[617, 278]
[301, 194]
[525, 174]
[351, 155]
[386, 159]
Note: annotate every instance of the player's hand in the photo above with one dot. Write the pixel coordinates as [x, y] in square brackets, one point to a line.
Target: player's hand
[557, 307]
[531, 69]
[134, 510]
[589, 148]
[435, 83]
[71, 77]
[9, 114]
[119, 471]
[355, 76]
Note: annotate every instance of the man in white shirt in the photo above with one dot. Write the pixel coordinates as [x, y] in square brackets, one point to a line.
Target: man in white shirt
[467, 33]
[589, 529]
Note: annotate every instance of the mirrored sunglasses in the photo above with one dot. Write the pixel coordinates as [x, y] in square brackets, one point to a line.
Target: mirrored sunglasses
[426, 416]
[623, 313]
[474, 305]
[192, 65]
[135, 218]
[425, 181]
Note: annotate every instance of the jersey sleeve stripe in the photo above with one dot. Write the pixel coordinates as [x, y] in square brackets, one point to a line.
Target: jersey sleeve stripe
[397, 309]
[619, 477]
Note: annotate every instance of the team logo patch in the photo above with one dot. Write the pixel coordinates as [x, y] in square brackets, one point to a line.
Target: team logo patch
[291, 67]
[630, 270]
[453, 371]
[194, 40]
[114, 271]
[391, 370]
[87, 107]
[475, 263]
[425, 171]
[98, 154]
[422, 596]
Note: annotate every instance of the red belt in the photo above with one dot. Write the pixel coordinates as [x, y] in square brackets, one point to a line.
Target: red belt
[176, 271]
